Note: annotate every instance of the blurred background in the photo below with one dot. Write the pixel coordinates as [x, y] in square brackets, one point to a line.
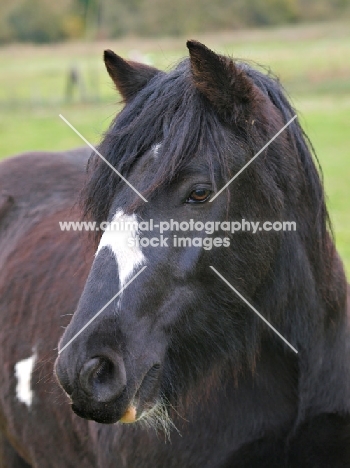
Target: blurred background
[51, 63]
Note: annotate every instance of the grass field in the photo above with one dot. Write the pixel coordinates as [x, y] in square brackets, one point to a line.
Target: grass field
[312, 62]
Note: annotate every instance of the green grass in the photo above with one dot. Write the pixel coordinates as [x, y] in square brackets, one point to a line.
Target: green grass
[327, 122]
[311, 61]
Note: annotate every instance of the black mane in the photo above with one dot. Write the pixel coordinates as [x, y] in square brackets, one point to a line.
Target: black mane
[172, 111]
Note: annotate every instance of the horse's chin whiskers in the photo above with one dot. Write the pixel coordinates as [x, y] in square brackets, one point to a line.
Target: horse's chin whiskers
[158, 418]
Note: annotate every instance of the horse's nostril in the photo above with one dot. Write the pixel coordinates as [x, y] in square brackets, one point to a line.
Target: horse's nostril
[102, 379]
[90, 372]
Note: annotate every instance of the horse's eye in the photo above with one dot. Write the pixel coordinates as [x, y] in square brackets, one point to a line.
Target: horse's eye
[199, 195]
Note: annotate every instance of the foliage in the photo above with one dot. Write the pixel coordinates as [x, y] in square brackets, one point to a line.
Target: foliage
[45, 21]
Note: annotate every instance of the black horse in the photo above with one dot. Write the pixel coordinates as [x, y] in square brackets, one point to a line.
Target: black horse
[158, 338]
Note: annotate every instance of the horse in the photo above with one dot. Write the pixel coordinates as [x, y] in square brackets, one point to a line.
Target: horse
[39, 291]
[162, 362]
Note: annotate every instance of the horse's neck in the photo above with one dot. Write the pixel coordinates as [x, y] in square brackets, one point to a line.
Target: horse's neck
[212, 424]
[324, 371]
[268, 394]
[237, 410]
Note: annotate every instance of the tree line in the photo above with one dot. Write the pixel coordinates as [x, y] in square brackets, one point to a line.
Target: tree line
[43, 21]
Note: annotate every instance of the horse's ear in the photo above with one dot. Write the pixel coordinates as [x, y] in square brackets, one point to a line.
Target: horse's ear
[225, 85]
[129, 77]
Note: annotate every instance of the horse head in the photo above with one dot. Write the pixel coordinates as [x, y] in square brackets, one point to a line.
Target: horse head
[154, 320]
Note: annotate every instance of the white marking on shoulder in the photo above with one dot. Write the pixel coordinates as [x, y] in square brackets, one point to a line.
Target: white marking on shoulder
[23, 373]
[121, 239]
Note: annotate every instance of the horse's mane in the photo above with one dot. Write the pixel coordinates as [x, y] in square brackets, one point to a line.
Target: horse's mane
[168, 110]
[171, 110]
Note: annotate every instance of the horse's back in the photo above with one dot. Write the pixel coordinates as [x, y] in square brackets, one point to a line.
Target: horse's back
[34, 185]
[42, 274]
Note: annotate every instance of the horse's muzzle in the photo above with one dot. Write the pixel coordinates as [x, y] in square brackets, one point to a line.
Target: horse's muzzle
[102, 392]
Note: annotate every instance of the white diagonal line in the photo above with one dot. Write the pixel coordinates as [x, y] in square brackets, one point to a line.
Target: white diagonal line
[104, 159]
[101, 310]
[253, 309]
[251, 160]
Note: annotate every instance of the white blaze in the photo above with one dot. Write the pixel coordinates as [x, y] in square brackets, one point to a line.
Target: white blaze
[120, 239]
[23, 373]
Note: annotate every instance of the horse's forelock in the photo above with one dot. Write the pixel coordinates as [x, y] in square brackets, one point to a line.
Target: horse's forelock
[172, 110]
